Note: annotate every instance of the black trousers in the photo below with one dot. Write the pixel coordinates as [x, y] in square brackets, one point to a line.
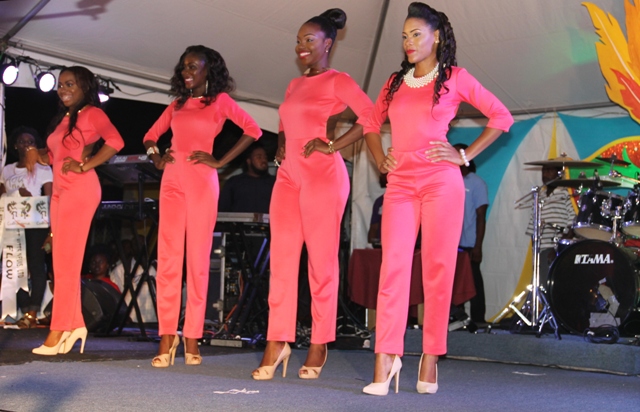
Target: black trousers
[477, 303]
[36, 257]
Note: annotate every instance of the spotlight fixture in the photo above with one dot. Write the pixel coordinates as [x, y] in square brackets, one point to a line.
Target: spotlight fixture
[104, 91]
[45, 81]
[9, 71]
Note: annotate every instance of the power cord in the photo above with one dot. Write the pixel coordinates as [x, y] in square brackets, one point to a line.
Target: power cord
[602, 334]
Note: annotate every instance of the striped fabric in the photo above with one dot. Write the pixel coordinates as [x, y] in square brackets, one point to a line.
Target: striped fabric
[556, 210]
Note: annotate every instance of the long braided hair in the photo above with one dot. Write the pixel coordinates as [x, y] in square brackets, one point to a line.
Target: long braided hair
[218, 78]
[445, 52]
[88, 83]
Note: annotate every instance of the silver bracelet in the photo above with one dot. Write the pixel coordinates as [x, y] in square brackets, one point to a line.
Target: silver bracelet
[463, 155]
[275, 161]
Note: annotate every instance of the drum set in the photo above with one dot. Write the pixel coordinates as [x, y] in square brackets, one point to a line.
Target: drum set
[594, 280]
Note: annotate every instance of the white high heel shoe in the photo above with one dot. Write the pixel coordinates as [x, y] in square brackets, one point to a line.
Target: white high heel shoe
[426, 387]
[78, 333]
[264, 373]
[382, 388]
[52, 350]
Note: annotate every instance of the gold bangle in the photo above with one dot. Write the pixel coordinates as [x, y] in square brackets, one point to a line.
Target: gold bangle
[51, 234]
[81, 167]
[331, 149]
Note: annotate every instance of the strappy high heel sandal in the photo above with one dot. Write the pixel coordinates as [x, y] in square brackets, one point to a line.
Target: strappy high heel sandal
[426, 387]
[313, 372]
[190, 358]
[78, 333]
[266, 372]
[52, 350]
[166, 359]
[382, 388]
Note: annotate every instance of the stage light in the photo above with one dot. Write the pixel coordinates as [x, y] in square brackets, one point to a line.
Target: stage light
[9, 71]
[104, 91]
[45, 81]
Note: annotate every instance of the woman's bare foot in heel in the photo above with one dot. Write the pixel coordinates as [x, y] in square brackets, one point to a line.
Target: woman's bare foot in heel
[274, 354]
[316, 358]
[192, 352]
[166, 351]
[428, 368]
[53, 338]
[382, 367]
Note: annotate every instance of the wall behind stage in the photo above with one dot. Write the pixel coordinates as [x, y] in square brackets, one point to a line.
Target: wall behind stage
[580, 134]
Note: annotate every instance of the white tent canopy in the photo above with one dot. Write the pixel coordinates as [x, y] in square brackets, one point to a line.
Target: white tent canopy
[534, 55]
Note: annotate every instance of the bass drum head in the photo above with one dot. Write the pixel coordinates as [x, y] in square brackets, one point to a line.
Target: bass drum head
[592, 283]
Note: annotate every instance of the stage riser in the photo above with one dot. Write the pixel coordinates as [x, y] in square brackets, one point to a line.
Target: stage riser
[572, 352]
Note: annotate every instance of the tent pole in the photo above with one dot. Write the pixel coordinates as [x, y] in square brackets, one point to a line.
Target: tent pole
[23, 22]
[376, 45]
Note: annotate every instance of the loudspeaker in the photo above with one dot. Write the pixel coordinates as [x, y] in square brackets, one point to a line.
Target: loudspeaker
[99, 301]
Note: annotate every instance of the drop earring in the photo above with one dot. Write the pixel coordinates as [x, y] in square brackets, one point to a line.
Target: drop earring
[206, 86]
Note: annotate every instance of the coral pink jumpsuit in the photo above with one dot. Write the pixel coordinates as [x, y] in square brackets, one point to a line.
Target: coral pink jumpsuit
[189, 207]
[74, 201]
[307, 204]
[427, 193]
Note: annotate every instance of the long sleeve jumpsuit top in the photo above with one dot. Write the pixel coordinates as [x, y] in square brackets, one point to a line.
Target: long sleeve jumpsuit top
[420, 192]
[189, 207]
[74, 201]
[308, 202]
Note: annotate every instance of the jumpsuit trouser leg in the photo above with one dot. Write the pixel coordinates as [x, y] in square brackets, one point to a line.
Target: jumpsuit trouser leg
[72, 210]
[431, 194]
[307, 205]
[188, 211]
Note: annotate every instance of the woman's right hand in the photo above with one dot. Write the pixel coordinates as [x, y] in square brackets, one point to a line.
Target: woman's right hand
[161, 161]
[280, 154]
[389, 163]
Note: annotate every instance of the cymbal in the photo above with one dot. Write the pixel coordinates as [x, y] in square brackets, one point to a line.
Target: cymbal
[614, 160]
[575, 183]
[563, 162]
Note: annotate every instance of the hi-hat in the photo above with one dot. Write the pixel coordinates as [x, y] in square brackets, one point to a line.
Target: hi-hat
[613, 160]
[563, 161]
[582, 182]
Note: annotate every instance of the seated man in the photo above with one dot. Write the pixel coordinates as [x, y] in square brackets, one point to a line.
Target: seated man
[249, 192]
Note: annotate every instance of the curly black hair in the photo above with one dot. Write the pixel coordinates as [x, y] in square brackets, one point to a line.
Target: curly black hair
[330, 22]
[218, 78]
[445, 52]
[19, 131]
[88, 83]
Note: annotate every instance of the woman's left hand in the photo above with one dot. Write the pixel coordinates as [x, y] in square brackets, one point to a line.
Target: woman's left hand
[443, 152]
[200, 157]
[315, 145]
[71, 165]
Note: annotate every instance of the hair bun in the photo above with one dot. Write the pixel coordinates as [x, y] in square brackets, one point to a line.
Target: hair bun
[337, 16]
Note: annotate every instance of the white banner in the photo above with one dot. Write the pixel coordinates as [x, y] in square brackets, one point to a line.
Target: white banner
[26, 212]
[14, 270]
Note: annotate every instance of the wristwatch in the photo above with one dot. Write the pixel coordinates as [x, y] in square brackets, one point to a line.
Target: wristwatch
[153, 150]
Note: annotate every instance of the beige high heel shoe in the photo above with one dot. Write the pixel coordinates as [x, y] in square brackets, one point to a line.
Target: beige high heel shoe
[190, 358]
[166, 359]
[52, 350]
[382, 388]
[426, 387]
[78, 333]
[313, 372]
[267, 372]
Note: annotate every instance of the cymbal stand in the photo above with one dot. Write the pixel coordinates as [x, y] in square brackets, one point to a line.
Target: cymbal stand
[531, 313]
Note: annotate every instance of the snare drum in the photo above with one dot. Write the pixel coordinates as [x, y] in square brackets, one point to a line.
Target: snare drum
[594, 214]
[594, 283]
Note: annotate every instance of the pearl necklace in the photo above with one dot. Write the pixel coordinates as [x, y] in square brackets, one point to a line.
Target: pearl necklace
[415, 83]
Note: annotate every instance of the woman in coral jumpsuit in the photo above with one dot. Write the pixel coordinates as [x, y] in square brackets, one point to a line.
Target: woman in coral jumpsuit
[76, 196]
[425, 187]
[189, 191]
[309, 196]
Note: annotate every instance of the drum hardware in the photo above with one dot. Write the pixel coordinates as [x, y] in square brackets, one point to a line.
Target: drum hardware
[536, 311]
[613, 160]
[563, 161]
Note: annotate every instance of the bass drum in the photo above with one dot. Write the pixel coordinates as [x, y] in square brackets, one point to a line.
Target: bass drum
[593, 283]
